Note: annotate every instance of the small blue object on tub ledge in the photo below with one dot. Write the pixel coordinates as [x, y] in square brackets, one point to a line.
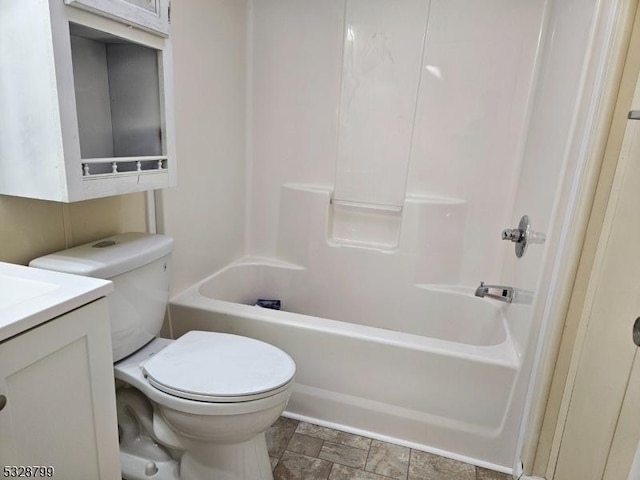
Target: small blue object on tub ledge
[268, 303]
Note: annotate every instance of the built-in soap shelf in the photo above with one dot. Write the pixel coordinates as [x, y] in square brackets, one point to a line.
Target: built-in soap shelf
[367, 225]
[372, 207]
[107, 167]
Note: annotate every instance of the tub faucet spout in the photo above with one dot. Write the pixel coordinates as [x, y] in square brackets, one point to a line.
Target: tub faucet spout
[497, 292]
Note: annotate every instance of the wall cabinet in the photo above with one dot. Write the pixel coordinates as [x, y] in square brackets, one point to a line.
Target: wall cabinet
[58, 398]
[152, 15]
[86, 99]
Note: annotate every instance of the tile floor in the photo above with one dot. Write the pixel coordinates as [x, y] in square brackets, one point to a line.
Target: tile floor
[302, 451]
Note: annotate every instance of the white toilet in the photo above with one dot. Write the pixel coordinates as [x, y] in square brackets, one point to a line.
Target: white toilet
[194, 408]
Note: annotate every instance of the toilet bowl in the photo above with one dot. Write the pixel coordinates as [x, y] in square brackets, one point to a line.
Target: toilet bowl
[188, 409]
[220, 426]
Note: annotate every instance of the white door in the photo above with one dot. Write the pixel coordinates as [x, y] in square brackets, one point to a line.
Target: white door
[602, 426]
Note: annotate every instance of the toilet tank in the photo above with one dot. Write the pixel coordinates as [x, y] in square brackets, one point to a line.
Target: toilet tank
[139, 265]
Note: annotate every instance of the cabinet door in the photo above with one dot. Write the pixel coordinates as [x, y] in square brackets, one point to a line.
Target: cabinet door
[152, 15]
[58, 383]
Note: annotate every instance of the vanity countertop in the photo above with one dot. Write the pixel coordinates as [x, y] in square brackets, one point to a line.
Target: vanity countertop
[30, 296]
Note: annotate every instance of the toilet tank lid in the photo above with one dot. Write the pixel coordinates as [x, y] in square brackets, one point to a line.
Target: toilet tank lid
[109, 256]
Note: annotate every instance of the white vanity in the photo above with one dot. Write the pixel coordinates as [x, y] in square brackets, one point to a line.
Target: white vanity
[57, 400]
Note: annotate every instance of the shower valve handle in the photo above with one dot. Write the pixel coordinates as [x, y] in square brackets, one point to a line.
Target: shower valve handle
[522, 236]
[513, 234]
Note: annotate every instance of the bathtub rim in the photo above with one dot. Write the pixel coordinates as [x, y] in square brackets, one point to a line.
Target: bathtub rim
[502, 354]
[457, 290]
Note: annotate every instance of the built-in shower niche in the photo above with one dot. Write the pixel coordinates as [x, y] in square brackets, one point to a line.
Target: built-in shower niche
[365, 225]
[117, 89]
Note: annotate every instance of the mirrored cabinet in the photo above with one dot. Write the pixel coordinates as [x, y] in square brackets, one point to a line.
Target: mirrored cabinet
[86, 97]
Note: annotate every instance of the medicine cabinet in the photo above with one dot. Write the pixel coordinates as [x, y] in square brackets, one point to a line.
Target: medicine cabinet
[86, 101]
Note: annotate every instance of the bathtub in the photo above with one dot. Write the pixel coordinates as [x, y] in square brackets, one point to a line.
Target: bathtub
[428, 367]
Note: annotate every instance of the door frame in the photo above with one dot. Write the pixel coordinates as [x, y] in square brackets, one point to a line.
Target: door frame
[560, 341]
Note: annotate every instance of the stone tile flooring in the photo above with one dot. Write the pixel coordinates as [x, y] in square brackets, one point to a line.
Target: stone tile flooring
[302, 451]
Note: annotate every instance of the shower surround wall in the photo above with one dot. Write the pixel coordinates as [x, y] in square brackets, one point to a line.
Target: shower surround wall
[382, 56]
[210, 134]
[388, 144]
[386, 140]
[379, 101]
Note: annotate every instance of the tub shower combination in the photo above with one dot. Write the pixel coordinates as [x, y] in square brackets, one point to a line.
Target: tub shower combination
[424, 365]
[387, 144]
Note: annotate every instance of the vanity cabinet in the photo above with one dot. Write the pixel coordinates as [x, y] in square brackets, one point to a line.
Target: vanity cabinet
[58, 398]
[86, 96]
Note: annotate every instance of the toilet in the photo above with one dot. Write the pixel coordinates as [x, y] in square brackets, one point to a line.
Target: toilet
[193, 408]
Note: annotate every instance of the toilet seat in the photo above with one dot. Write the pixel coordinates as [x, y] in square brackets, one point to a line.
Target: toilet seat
[219, 368]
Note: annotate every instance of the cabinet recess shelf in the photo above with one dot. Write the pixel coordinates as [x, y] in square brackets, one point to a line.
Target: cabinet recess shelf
[87, 101]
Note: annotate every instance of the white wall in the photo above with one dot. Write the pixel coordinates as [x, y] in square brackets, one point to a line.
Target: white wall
[472, 120]
[459, 135]
[295, 86]
[205, 212]
[548, 165]
[561, 128]
[278, 76]
[270, 75]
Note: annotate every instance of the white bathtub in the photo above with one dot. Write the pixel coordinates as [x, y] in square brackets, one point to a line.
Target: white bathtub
[430, 368]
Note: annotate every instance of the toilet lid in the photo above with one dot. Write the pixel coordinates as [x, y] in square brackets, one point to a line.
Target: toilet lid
[219, 367]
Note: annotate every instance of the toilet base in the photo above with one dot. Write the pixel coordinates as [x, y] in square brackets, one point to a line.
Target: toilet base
[209, 440]
[245, 461]
[242, 461]
[138, 468]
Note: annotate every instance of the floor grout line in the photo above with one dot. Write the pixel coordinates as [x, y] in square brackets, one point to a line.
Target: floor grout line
[368, 454]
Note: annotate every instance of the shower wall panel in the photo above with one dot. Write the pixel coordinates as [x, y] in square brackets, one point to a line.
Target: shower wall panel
[383, 47]
[379, 100]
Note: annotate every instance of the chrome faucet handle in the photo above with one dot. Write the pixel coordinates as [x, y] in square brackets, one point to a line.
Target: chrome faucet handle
[522, 236]
[513, 234]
